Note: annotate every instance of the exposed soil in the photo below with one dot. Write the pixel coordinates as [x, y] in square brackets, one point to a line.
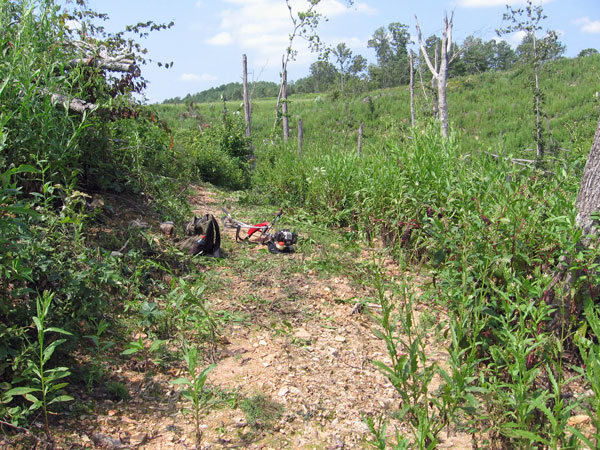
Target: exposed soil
[299, 340]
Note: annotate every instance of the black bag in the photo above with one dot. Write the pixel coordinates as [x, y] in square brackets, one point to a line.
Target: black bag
[204, 237]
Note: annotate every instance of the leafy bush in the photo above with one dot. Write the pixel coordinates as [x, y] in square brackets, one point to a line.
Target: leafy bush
[221, 153]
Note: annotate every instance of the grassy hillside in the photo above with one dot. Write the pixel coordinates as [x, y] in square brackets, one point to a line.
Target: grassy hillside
[488, 111]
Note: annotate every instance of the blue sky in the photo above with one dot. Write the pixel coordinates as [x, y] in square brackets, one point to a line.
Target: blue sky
[209, 37]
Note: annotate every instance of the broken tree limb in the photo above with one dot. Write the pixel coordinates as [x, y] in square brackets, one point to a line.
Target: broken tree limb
[73, 104]
[114, 65]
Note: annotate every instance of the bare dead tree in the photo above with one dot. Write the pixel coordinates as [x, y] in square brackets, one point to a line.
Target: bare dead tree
[440, 74]
[412, 89]
[300, 136]
[284, 107]
[360, 138]
[245, 93]
[561, 293]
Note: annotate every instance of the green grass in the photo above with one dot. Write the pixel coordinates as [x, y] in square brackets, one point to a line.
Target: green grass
[489, 111]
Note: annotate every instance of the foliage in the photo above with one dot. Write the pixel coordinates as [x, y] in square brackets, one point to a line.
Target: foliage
[221, 153]
[390, 46]
[411, 373]
[195, 393]
[42, 388]
[229, 91]
[261, 411]
[50, 158]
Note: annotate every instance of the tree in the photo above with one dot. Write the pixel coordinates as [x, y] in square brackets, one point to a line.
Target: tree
[587, 52]
[561, 293]
[440, 74]
[323, 74]
[534, 52]
[392, 55]
[358, 66]
[343, 56]
[475, 56]
[548, 49]
[503, 56]
[304, 25]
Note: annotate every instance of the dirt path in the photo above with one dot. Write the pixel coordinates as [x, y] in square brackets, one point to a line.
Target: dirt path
[295, 344]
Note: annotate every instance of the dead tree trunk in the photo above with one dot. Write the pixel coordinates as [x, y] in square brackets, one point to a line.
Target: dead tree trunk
[300, 136]
[412, 89]
[440, 75]
[246, 99]
[588, 198]
[284, 107]
[538, 108]
[360, 138]
[561, 294]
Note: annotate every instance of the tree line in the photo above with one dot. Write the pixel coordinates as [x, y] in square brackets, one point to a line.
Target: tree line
[339, 69]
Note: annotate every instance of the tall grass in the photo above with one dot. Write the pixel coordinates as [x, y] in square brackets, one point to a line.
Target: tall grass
[490, 233]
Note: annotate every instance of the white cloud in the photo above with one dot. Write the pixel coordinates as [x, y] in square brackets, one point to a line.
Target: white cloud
[588, 26]
[363, 8]
[516, 38]
[223, 38]
[73, 24]
[195, 78]
[264, 26]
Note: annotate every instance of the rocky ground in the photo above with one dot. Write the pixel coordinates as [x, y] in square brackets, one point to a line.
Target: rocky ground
[299, 347]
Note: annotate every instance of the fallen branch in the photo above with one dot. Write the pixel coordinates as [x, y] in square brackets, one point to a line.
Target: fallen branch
[25, 431]
[74, 104]
[114, 65]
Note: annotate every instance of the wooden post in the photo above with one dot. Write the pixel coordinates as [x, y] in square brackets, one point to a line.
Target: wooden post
[284, 107]
[360, 137]
[412, 90]
[246, 99]
[300, 137]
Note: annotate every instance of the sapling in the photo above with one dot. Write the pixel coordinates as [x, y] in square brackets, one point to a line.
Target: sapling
[43, 388]
[199, 398]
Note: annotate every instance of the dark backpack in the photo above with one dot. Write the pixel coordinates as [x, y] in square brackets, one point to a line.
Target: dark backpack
[204, 237]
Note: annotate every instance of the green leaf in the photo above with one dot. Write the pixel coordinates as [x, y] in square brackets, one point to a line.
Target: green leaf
[181, 381]
[59, 330]
[517, 432]
[156, 345]
[22, 390]
[581, 436]
[130, 351]
[32, 398]
[38, 324]
[61, 398]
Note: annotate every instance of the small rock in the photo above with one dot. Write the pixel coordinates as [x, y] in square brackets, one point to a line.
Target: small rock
[301, 333]
[284, 390]
[340, 338]
[138, 438]
[578, 420]
[262, 342]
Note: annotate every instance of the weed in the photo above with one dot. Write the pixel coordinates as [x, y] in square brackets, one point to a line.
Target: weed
[261, 411]
[199, 398]
[117, 391]
[145, 353]
[43, 388]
